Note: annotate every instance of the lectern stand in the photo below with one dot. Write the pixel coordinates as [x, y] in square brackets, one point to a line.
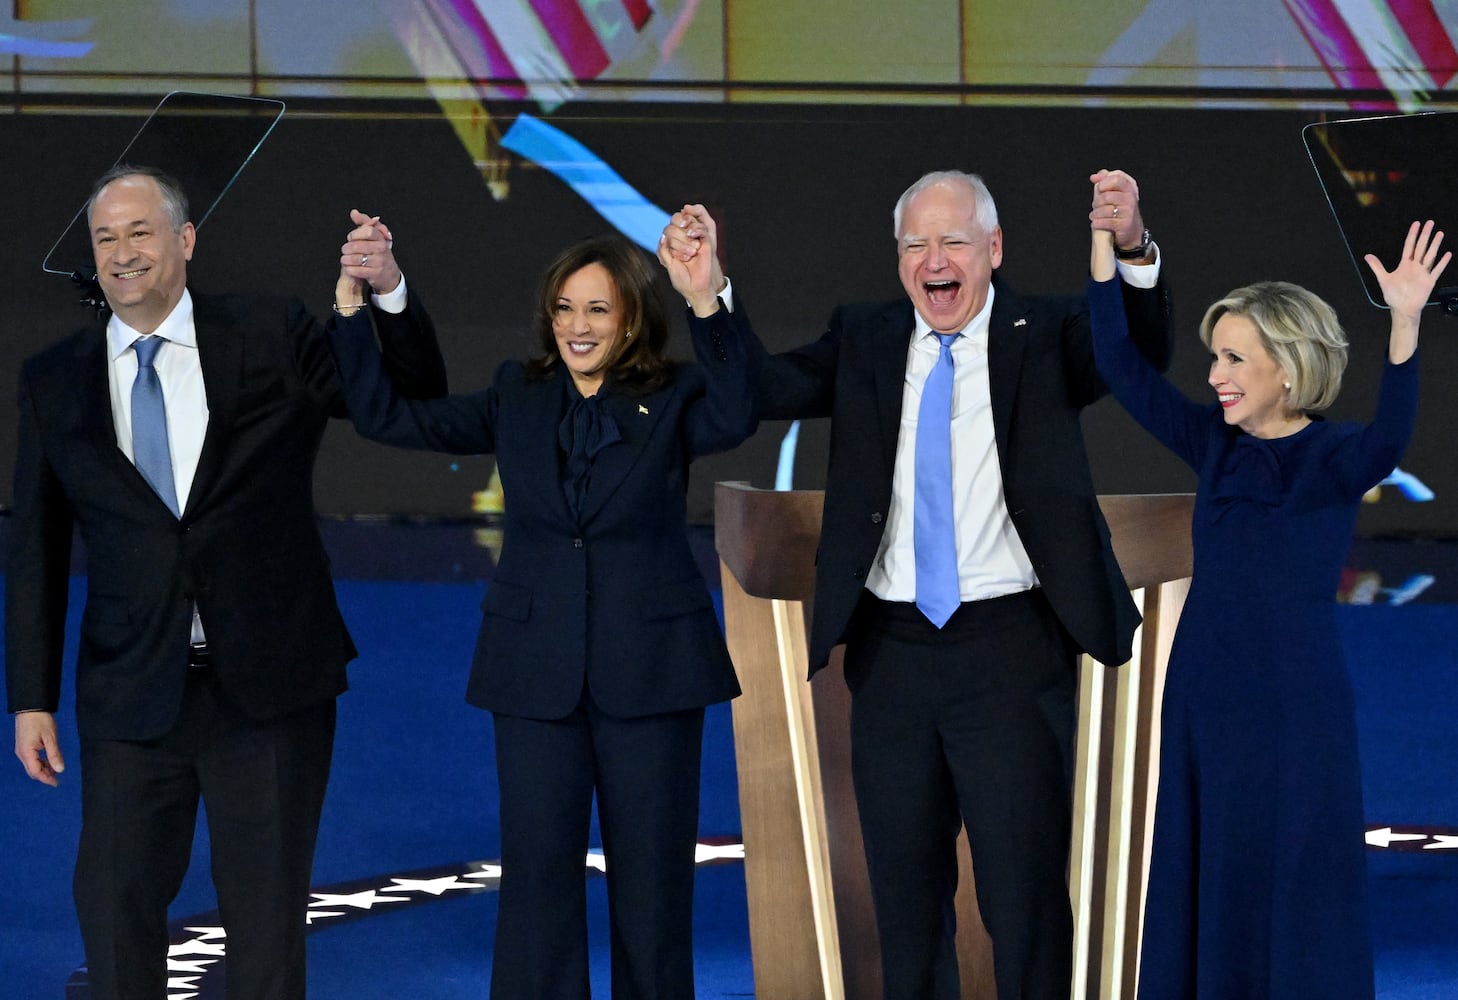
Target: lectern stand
[811, 929]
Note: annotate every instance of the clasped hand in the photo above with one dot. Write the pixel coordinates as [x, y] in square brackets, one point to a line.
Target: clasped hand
[688, 249]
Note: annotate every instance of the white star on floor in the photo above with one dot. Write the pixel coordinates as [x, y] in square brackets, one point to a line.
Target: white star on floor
[189, 960]
[1384, 837]
[434, 886]
[197, 946]
[208, 932]
[365, 900]
[717, 852]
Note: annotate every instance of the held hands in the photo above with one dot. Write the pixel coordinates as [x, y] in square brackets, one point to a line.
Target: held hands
[38, 747]
[1407, 287]
[366, 258]
[689, 252]
[1116, 208]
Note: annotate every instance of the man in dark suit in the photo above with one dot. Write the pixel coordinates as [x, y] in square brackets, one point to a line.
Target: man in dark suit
[179, 436]
[964, 563]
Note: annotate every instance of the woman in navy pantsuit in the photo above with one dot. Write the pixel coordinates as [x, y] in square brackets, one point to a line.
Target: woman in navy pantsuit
[1257, 882]
[599, 647]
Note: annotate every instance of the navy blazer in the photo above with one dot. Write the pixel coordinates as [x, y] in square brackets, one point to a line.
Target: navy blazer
[247, 548]
[1041, 374]
[612, 600]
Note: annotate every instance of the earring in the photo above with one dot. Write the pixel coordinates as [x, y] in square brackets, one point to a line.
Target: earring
[629, 336]
[1287, 386]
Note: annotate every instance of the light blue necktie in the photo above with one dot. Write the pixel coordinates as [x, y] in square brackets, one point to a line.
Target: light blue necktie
[152, 456]
[934, 533]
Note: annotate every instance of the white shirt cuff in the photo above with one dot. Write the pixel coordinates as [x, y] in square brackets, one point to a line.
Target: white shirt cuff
[1138, 275]
[727, 295]
[392, 301]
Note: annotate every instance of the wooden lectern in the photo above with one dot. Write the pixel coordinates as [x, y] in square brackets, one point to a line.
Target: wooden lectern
[812, 933]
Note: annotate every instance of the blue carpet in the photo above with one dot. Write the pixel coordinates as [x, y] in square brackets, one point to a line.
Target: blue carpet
[413, 788]
[1405, 676]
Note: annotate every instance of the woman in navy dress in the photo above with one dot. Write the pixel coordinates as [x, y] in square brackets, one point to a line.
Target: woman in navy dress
[599, 646]
[1257, 882]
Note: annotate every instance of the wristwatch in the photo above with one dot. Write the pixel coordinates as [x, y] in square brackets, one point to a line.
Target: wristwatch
[1134, 253]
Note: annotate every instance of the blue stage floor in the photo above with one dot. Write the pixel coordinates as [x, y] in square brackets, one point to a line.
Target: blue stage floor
[413, 798]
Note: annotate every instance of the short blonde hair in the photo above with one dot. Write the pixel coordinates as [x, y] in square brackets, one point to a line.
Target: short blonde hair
[1298, 329]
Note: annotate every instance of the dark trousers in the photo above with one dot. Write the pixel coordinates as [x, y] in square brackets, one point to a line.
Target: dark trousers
[971, 724]
[646, 775]
[262, 785]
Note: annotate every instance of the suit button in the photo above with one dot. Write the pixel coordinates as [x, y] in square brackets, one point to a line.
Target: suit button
[876, 517]
[577, 543]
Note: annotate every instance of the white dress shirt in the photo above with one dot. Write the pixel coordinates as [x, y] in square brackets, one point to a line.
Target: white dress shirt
[991, 560]
[183, 393]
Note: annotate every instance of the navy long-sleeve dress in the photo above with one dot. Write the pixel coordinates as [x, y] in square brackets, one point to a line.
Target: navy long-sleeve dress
[1257, 882]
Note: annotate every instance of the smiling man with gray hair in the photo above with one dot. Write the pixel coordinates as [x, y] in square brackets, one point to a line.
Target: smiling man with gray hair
[964, 563]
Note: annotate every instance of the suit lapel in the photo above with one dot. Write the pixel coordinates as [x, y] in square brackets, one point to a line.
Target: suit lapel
[220, 353]
[890, 341]
[94, 414]
[539, 467]
[1007, 338]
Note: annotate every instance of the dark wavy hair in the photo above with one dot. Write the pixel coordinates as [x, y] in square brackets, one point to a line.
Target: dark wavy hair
[640, 363]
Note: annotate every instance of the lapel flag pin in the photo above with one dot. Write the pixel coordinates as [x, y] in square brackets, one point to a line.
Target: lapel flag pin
[1020, 322]
[642, 408]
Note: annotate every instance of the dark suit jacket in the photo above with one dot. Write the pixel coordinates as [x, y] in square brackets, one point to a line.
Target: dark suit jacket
[246, 549]
[1041, 375]
[613, 598]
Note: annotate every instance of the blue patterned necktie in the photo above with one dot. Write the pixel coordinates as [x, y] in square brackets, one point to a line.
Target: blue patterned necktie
[934, 533]
[152, 455]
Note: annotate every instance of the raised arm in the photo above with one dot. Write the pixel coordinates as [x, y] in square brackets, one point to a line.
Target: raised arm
[1406, 290]
[1117, 212]
[1407, 287]
[396, 395]
[788, 386]
[722, 340]
[1158, 407]
[370, 279]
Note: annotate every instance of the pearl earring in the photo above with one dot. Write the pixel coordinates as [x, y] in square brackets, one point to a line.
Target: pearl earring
[1287, 385]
